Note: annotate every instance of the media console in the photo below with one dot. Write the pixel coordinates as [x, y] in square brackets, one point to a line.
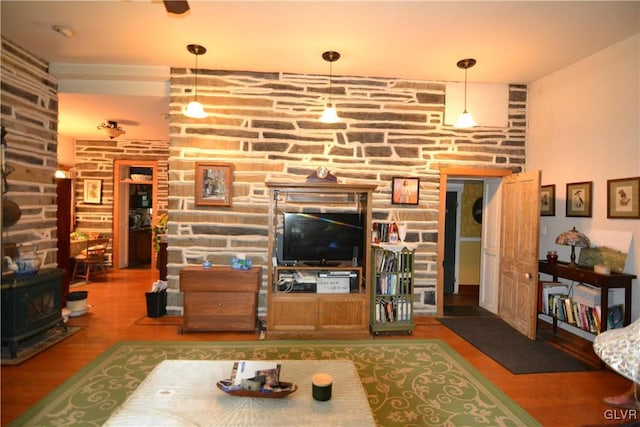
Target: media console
[328, 299]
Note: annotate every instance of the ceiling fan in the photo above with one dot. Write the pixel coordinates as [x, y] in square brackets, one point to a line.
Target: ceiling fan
[177, 7]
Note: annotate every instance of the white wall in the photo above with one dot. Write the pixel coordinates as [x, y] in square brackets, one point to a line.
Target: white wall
[584, 125]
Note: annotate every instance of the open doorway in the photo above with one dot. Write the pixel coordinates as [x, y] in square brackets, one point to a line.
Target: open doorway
[489, 180]
[135, 208]
[462, 248]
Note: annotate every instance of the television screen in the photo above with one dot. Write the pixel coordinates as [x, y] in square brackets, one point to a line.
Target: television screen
[322, 238]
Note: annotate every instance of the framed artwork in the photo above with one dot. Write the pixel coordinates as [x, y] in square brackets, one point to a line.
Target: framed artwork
[405, 191]
[579, 199]
[622, 198]
[93, 191]
[548, 200]
[213, 184]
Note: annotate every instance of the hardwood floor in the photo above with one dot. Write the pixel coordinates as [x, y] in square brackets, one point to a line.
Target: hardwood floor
[118, 312]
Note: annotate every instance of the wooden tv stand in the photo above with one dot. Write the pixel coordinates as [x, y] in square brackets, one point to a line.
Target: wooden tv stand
[304, 313]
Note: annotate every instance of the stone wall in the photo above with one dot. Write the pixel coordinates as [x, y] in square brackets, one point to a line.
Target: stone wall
[30, 117]
[267, 125]
[95, 160]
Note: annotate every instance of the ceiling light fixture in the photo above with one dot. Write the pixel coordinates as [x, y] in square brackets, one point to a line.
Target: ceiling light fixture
[329, 114]
[111, 129]
[465, 120]
[64, 30]
[194, 109]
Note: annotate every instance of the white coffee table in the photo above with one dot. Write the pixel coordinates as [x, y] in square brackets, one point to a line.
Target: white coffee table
[184, 393]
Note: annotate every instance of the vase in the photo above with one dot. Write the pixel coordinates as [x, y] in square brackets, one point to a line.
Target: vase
[402, 231]
[552, 257]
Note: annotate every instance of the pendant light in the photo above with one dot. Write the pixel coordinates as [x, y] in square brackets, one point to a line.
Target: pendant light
[194, 109]
[465, 120]
[329, 114]
[111, 129]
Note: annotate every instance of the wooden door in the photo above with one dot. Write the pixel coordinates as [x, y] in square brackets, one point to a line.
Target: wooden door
[519, 241]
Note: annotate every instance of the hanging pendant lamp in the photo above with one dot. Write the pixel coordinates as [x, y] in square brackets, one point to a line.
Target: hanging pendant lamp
[194, 109]
[329, 115]
[465, 120]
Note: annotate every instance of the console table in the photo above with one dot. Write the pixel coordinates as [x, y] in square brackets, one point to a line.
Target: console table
[602, 281]
[184, 393]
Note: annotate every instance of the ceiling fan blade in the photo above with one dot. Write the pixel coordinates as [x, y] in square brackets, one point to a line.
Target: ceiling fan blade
[177, 7]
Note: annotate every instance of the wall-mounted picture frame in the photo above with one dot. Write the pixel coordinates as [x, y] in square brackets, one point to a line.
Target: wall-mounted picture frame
[622, 198]
[214, 182]
[93, 191]
[579, 203]
[548, 200]
[405, 191]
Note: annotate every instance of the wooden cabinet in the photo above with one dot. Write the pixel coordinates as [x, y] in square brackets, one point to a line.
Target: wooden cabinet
[301, 312]
[139, 246]
[220, 298]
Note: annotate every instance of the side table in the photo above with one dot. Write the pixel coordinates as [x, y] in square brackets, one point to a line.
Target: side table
[220, 298]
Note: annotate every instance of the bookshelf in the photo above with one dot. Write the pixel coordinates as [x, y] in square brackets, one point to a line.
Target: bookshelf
[600, 284]
[392, 267]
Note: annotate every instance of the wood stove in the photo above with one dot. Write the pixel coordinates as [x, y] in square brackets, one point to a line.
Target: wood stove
[31, 304]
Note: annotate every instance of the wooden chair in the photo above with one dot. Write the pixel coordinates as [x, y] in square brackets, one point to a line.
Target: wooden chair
[92, 259]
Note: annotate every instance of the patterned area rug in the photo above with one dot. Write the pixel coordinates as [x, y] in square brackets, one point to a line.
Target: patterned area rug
[37, 344]
[408, 382]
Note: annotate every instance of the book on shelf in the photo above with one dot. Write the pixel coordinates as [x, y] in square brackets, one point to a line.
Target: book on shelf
[548, 290]
[392, 310]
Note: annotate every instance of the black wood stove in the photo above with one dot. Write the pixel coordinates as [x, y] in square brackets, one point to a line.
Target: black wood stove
[31, 304]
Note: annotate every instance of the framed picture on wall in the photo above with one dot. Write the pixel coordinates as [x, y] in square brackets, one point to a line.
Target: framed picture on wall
[622, 198]
[213, 184]
[579, 199]
[548, 200]
[93, 191]
[405, 191]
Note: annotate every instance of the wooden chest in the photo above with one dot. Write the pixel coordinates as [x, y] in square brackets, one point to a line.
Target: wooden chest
[220, 298]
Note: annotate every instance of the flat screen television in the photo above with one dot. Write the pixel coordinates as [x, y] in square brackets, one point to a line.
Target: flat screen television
[322, 238]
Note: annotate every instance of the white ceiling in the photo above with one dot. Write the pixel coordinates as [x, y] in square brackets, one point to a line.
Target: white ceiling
[513, 42]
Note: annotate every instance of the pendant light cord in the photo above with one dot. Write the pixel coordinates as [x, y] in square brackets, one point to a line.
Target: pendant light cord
[465, 102]
[330, 78]
[465, 90]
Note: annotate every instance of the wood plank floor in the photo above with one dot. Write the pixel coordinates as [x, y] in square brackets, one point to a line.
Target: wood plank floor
[118, 312]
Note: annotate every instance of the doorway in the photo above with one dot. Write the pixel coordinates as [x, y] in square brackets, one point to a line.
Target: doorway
[462, 248]
[135, 206]
[490, 211]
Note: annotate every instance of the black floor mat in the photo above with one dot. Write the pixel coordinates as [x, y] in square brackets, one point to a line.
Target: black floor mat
[466, 310]
[520, 355]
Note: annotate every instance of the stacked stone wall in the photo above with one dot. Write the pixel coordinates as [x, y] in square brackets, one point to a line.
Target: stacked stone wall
[30, 117]
[95, 159]
[267, 125]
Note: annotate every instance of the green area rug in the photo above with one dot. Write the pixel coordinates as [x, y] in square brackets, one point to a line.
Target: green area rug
[408, 382]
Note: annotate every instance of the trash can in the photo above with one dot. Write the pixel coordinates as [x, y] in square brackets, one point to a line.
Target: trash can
[77, 303]
[156, 303]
